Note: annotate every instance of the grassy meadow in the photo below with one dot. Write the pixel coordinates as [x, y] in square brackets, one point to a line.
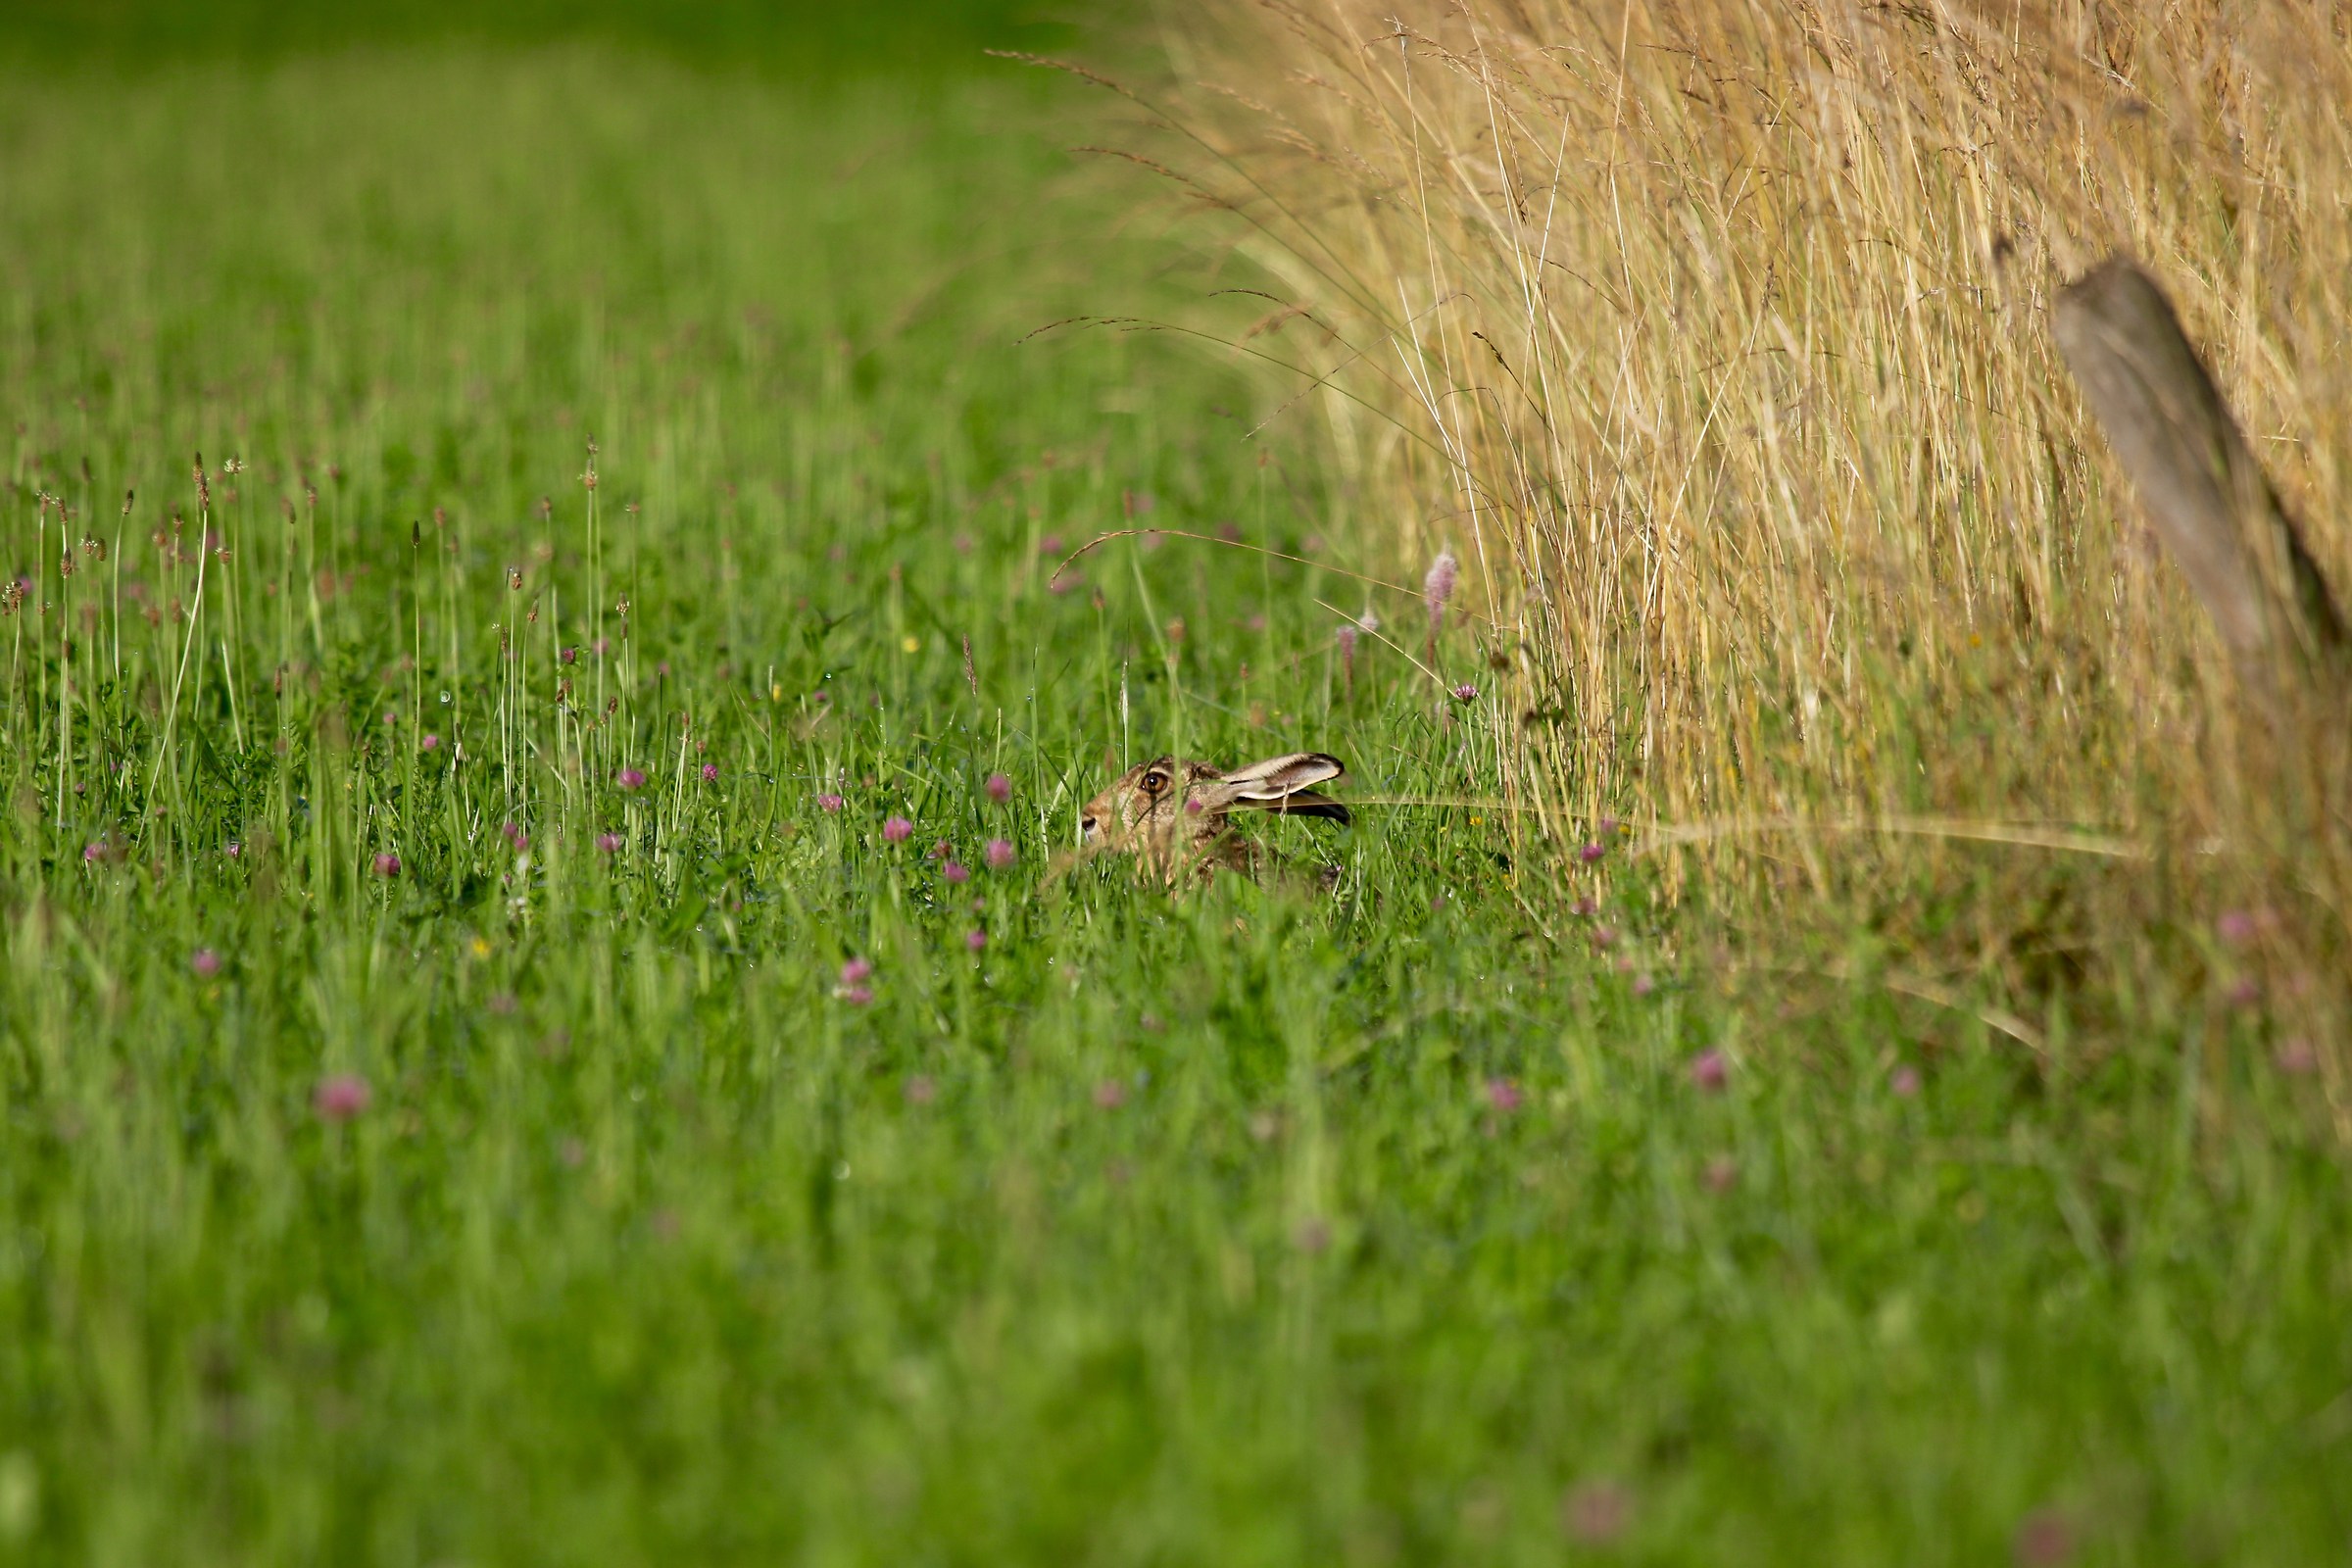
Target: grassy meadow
[504, 530]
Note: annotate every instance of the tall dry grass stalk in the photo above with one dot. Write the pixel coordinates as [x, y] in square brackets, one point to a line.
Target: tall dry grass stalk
[1714, 337]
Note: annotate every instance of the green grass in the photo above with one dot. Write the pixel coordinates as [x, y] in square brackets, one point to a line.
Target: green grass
[796, 40]
[1170, 1231]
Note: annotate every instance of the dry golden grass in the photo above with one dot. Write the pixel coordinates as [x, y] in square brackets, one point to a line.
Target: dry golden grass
[1714, 337]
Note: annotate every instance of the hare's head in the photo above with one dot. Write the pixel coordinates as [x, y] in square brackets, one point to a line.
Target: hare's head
[1146, 803]
[1169, 810]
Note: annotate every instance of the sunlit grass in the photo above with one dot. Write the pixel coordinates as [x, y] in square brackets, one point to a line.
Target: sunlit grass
[485, 1150]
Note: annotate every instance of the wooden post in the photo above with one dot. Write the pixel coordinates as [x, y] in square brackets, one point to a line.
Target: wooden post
[2215, 509]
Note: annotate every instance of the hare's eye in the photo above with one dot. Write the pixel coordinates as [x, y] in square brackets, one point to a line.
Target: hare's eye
[1153, 783]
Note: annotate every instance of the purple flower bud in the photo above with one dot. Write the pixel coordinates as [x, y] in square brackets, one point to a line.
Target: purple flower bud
[92, 853]
[631, 778]
[828, 803]
[1465, 693]
[1905, 1082]
[1709, 1071]
[341, 1097]
[206, 962]
[387, 865]
[2044, 1539]
[856, 996]
[1504, 1096]
[709, 772]
[1000, 854]
[856, 971]
[955, 873]
[610, 843]
[1596, 1513]
[1590, 853]
[898, 830]
[430, 743]
[977, 941]
[999, 787]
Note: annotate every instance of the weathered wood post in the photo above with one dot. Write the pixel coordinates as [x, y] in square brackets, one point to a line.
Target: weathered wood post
[2207, 494]
[2220, 519]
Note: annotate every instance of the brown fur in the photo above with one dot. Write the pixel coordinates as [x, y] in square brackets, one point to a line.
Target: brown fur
[1174, 816]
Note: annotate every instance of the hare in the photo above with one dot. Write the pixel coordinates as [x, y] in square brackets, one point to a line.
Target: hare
[1172, 814]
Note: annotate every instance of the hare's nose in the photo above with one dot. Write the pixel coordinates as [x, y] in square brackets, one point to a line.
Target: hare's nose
[1086, 825]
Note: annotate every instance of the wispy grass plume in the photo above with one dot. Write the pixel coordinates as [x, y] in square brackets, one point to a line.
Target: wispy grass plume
[1715, 338]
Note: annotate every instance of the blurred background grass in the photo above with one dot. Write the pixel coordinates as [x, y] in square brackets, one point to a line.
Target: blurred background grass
[800, 38]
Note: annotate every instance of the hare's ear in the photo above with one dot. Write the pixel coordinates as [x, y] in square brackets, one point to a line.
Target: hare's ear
[1284, 775]
[1283, 783]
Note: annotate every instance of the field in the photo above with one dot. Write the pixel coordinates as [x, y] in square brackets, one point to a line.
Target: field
[483, 1080]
